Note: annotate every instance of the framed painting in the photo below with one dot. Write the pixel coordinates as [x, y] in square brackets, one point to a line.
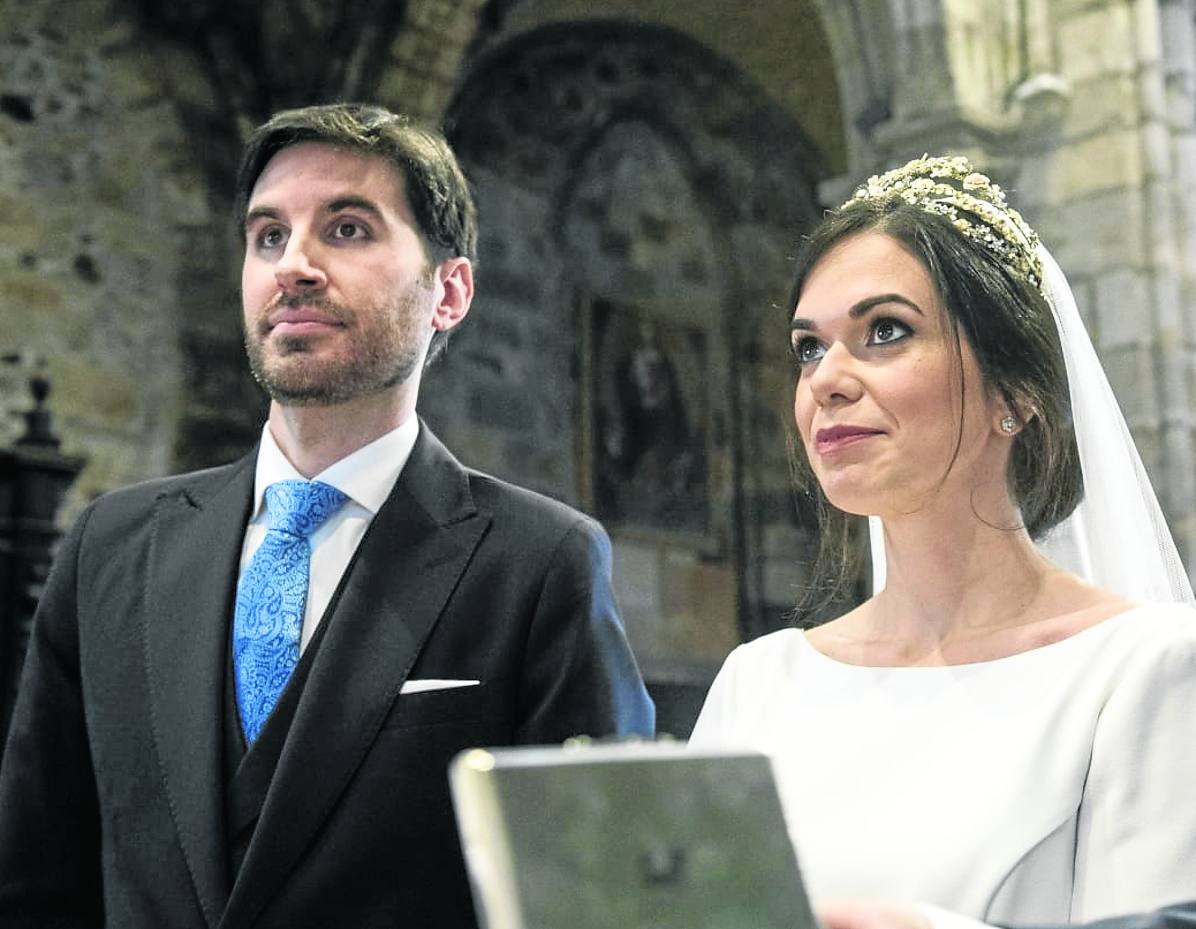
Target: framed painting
[646, 422]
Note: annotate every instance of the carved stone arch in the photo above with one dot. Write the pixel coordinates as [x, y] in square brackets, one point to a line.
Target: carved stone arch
[865, 47]
[975, 76]
[627, 173]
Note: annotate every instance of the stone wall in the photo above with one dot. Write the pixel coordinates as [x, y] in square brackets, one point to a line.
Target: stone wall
[425, 58]
[93, 178]
[119, 272]
[635, 189]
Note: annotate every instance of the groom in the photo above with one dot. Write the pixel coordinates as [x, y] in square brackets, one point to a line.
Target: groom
[244, 686]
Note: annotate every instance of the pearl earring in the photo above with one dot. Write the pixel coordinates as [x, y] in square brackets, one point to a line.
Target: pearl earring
[1009, 425]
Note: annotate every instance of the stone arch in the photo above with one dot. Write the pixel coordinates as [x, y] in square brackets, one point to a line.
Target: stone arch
[863, 43]
[626, 172]
[780, 45]
[975, 76]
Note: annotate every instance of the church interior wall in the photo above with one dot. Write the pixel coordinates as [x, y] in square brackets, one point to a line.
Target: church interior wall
[639, 196]
[94, 180]
[673, 194]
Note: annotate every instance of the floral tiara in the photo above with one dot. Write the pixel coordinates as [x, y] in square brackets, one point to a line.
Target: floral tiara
[950, 187]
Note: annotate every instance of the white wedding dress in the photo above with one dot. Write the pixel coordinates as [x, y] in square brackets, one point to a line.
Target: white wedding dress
[1055, 785]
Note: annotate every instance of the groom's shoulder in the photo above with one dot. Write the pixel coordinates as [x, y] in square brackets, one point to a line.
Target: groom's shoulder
[135, 501]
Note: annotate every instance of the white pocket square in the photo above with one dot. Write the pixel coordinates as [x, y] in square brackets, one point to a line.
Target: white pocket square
[434, 683]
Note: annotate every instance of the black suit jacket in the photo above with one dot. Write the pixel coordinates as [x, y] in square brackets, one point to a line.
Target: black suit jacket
[111, 791]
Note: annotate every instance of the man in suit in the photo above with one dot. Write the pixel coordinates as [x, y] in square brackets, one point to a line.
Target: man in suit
[243, 686]
[848, 914]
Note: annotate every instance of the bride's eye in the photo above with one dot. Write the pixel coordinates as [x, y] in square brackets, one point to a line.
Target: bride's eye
[887, 329]
[807, 350]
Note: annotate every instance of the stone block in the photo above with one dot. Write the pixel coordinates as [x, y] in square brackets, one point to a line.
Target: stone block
[185, 195]
[30, 301]
[1123, 308]
[1153, 95]
[458, 19]
[1132, 375]
[25, 232]
[405, 90]
[87, 391]
[1148, 438]
[698, 607]
[1156, 146]
[636, 572]
[1174, 374]
[122, 183]
[1096, 39]
[445, 65]
[1101, 104]
[1107, 161]
[81, 18]
[1088, 235]
[116, 35]
[636, 582]
[187, 79]
[133, 78]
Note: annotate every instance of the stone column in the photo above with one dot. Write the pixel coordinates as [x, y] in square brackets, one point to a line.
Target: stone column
[1117, 210]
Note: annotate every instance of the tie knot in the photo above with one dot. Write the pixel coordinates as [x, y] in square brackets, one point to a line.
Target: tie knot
[301, 507]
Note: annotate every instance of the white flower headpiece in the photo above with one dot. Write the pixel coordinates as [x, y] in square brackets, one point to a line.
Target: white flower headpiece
[950, 187]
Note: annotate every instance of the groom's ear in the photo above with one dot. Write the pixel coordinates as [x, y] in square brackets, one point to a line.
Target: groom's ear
[455, 280]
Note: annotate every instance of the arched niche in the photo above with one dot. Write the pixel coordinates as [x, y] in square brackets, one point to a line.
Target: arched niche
[780, 45]
[640, 199]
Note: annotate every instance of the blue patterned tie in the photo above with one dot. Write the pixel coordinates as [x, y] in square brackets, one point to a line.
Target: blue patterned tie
[272, 595]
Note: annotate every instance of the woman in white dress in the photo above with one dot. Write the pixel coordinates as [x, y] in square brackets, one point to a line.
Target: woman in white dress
[991, 732]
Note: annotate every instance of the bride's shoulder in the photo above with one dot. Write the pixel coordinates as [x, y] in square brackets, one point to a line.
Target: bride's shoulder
[1139, 632]
[771, 650]
[1080, 605]
[832, 637]
[1165, 622]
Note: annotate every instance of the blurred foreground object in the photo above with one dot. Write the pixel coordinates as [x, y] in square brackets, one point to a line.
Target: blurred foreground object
[634, 835]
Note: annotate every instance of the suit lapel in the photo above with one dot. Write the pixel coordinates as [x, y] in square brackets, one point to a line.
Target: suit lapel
[192, 573]
[407, 565]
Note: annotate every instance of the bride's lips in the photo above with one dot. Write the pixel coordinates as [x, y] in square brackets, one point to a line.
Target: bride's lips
[834, 438]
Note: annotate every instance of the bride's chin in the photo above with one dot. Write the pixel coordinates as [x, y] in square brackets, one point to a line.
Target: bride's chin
[852, 499]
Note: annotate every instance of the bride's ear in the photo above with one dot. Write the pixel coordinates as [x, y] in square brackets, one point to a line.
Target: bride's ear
[1013, 414]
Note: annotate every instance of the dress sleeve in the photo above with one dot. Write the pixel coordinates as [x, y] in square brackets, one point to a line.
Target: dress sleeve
[1136, 837]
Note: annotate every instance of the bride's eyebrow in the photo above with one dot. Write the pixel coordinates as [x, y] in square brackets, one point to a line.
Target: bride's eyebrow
[858, 310]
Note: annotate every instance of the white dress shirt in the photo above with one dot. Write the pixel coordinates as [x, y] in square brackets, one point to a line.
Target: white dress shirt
[366, 477]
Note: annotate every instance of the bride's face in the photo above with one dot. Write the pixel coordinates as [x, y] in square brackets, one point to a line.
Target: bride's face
[890, 404]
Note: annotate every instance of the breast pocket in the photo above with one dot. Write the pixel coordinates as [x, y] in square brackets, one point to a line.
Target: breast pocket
[440, 705]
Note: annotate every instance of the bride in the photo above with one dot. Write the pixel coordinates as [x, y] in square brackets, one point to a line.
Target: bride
[1004, 728]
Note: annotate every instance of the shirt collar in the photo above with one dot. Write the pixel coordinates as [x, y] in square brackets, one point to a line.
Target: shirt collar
[366, 476]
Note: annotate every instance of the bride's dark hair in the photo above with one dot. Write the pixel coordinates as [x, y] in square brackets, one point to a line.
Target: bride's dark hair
[1009, 326]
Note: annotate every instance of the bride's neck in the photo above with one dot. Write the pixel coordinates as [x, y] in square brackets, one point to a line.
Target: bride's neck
[946, 583]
